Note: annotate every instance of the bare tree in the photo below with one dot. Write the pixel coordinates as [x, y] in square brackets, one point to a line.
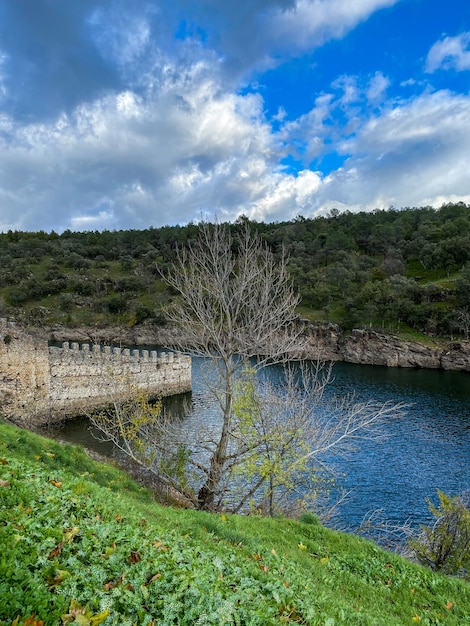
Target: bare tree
[236, 304]
[391, 536]
[463, 321]
[236, 308]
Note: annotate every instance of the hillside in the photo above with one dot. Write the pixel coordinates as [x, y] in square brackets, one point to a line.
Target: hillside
[81, 543]
[403, 272]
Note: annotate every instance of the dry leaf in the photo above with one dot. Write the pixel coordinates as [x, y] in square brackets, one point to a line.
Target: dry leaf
[134, 557]
[154, 577]
[114, 583]
[32, 621]
[56, 551]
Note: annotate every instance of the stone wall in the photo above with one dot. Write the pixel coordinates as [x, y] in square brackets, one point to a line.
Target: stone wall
[45, 384]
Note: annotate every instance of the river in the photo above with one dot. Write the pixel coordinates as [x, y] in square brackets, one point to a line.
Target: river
[426, 450]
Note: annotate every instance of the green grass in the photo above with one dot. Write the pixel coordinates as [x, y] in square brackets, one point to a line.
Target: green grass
[409, 334]
[426, 276]
[312, 315]
[449, 282]
[81, 543]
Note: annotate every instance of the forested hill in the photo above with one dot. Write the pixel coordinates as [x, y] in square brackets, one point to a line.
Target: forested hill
[402, 271]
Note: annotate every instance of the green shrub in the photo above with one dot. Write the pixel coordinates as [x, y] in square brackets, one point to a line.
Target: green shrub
[445, 546]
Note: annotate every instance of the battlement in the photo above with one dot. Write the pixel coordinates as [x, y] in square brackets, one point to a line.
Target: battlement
[86, 353]
[49, 382]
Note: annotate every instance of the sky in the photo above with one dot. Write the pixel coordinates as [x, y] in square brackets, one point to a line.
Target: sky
[118, 114]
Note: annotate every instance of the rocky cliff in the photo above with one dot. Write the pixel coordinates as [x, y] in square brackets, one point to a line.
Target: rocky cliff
[368, 347]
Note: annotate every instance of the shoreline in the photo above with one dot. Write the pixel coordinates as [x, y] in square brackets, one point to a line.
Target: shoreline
[326, 343]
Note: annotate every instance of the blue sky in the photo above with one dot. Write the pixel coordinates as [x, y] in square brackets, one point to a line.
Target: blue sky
[130, 114]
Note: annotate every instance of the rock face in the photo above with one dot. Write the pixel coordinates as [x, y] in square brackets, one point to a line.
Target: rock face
[366, 347]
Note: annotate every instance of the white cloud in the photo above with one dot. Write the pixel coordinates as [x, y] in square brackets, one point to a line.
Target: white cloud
[351, 93]
[285, 197]
[414, 154]
[450, 53]
[121, 34]
[178, 140]
[190, 149]
[304, 137]
[3, 82]
[100, 221]
[148, 160]
[258, 34]
[377, 88]
[335, 115]
[313, 22]
[410, 82]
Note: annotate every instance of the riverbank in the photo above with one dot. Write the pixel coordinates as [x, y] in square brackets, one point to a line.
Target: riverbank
[326, 342]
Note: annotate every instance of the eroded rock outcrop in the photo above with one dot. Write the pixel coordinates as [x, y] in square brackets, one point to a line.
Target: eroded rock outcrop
[367, 347]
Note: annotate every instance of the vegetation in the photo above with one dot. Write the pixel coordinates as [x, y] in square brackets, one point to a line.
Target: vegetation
[80, 543]
[236, 310]
[236, 306]
[445, 546]
[404, 271]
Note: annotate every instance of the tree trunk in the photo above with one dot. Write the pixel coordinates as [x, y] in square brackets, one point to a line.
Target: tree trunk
[210, 489]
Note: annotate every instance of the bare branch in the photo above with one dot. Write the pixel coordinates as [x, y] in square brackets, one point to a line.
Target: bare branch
[236, 308]
[235, 299]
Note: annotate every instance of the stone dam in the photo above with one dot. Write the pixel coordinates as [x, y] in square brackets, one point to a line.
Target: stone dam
[41, 384]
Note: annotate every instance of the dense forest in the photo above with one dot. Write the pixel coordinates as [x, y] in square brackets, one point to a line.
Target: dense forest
[399, 271]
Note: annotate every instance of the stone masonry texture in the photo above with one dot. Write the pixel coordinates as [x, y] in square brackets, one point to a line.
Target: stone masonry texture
[42, 384]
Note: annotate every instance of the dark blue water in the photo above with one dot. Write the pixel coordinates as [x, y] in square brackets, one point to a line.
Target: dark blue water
[426, 450]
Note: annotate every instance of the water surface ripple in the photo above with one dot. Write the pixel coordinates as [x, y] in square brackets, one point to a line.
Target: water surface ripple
[428, 449]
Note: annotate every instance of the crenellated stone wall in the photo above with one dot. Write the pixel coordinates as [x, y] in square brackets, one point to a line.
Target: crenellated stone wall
[45, 384]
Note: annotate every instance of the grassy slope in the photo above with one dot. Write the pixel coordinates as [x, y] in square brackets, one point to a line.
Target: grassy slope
[81, 543]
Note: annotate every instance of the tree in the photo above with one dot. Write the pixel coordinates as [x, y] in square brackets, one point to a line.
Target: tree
[462, 321]
[463, 285]
[236, 305]
[149, 438]
[237, 309]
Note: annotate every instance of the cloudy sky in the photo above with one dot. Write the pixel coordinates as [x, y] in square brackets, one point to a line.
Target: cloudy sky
[136, 113]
